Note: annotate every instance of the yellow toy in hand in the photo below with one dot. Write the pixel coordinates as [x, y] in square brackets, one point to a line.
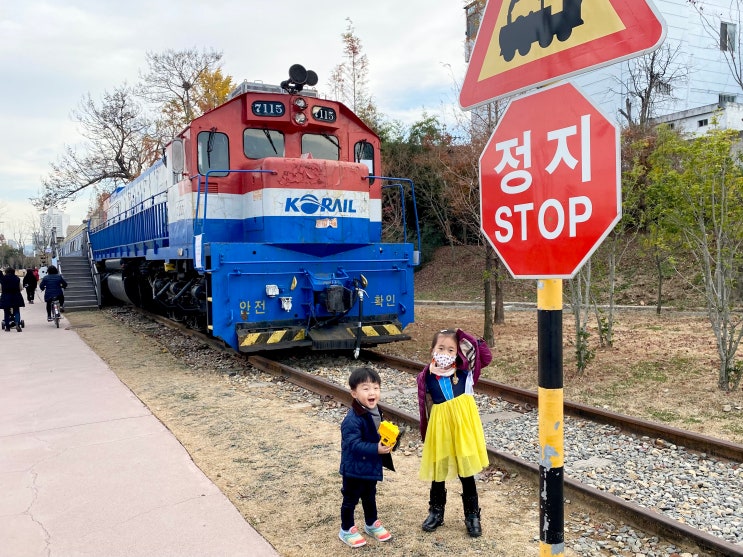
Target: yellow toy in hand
[389, 432]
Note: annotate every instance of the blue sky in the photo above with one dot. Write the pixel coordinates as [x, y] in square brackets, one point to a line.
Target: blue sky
[54, 52]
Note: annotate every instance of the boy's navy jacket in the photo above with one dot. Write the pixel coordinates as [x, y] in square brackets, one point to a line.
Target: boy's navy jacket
[359, 445]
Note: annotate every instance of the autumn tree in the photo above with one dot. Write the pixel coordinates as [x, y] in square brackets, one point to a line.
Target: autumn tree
[179, 81]
[697, 185]
[212, 90]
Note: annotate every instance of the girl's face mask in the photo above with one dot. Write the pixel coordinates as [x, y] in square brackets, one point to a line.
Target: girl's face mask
[442, 360]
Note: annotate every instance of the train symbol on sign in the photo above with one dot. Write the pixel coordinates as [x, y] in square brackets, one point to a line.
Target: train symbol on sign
[540, 26]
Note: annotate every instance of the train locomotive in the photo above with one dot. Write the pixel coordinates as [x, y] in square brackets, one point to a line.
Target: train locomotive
[261, 224]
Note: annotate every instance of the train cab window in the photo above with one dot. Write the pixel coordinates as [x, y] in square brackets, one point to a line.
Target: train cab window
[259, 144]
[363, 152]
[321, 146]
[214, 152]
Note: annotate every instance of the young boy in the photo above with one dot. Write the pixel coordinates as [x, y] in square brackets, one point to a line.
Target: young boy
[362, 458]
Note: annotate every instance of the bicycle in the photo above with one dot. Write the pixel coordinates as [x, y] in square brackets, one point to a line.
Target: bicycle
[56, 314]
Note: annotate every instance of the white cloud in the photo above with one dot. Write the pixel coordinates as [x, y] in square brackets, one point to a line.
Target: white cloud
[53, 52]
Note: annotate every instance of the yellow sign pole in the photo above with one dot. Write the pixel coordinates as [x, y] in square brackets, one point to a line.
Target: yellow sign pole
[551, 419]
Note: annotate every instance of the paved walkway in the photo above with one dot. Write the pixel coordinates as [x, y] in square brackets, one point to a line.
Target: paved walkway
[87, 470]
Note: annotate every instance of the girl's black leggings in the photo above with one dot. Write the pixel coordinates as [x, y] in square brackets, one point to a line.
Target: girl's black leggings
[468, 486]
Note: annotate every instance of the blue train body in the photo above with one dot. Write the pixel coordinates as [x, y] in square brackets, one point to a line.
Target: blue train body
[262, 224]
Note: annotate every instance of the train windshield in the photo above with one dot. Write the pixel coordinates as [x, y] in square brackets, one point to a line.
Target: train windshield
[259, 144]
[214, 152]
[321, 146]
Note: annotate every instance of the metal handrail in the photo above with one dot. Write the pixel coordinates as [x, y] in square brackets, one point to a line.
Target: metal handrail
[93, 268]
[402, 204]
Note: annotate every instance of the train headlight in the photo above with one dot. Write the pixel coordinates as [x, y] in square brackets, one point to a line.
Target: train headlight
[300, 118]
[286, 303]
[300, 103]
[272, 290]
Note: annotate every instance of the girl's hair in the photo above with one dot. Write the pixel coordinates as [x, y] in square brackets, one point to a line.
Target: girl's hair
[363, 375]
[51, 270]
[10, 271]
[452, 333]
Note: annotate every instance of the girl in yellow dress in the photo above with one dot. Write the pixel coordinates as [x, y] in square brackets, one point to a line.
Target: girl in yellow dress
[451, 429]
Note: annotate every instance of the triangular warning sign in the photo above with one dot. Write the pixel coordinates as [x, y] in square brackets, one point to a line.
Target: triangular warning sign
[523, 44]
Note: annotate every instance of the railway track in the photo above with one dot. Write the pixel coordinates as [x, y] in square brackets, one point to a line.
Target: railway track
[645, 518]
[525, 402]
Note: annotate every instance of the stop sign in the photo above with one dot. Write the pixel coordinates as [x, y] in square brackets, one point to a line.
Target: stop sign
[549, 183]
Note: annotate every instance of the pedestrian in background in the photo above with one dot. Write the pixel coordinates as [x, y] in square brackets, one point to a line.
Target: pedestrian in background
[30, 282]
[11, 299]
[450, 425]
[362, 457]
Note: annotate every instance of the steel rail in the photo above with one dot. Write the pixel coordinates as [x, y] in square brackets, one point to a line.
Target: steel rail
[689, 439]
[640, 516]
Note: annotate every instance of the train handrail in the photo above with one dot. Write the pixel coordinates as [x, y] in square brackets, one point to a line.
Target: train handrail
[93, 268]
[402, 207]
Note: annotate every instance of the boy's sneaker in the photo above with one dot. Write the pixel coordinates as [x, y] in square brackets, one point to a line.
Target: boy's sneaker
[352, 537]
[379, 532]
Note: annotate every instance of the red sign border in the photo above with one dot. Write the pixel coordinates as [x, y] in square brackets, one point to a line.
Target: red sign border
[642, 23]
[618, 188]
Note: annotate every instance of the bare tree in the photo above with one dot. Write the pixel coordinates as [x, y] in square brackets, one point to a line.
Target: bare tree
[349, 79]
[650, 82]
[724, 27]
[117, 149]
[20, 234]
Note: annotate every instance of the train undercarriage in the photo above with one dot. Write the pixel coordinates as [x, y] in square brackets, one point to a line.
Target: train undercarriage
[334, 320]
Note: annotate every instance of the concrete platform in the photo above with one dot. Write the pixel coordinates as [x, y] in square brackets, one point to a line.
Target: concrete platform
[87, 470]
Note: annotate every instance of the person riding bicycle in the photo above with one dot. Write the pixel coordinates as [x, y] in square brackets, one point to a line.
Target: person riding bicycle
[52, 285]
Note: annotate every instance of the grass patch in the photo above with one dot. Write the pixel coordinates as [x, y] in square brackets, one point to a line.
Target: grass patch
[660, 371]
[693, 420]
[734, 428]
[665, 416]
[503, 366]
[649, 371]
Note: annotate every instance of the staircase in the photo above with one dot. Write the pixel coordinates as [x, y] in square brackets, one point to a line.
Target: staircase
[80, 292]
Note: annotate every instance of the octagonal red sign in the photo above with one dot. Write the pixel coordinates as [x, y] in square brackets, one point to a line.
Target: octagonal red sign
[550, 187]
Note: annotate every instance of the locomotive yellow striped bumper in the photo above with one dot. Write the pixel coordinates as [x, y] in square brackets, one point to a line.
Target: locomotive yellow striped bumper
[255, 341]
[342, 336]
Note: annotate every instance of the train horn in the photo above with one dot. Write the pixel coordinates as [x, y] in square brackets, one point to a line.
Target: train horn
[298, 78]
